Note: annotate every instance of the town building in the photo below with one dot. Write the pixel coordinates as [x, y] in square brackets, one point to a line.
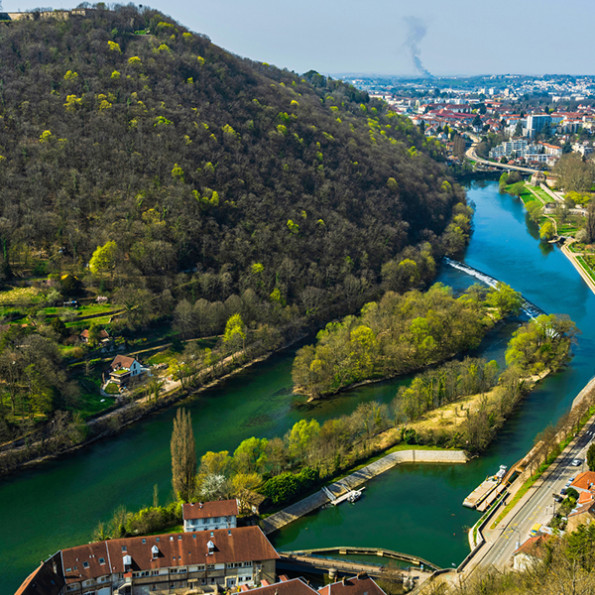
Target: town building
[210, 516]
[537, 123]
[205, 561]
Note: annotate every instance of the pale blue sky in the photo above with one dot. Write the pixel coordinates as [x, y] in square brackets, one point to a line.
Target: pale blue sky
[334, 36]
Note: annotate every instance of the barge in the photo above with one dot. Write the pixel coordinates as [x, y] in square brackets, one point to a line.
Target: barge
[485, 488]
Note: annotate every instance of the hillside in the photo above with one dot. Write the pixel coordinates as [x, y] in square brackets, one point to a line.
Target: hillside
[190, 157]
[213, 184]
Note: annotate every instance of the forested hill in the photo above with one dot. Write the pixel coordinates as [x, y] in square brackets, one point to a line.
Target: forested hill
[123, 126]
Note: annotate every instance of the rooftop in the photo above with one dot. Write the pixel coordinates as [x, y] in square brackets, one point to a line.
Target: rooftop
[208, 510]
[173, 549]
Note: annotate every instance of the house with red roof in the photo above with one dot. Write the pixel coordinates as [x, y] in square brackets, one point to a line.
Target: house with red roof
[123, 369]
[209, 516]
[530, 552]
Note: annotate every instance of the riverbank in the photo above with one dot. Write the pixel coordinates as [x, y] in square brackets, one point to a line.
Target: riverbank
[355, 480]
[114, 421]
[578, 266]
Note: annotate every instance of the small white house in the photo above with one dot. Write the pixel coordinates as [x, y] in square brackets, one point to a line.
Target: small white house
[123, 368]
[209, 516]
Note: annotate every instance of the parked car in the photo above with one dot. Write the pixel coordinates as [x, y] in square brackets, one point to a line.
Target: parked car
[558, 498]
[577, 462]
[563, 491]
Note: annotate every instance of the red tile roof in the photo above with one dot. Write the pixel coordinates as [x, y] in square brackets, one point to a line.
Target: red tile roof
[583, 497]
[533, 546]
[243, 544]
[295, 586]
[122, 361]
[360, 585]
[208, 510]
[583, 480]
[44, 580]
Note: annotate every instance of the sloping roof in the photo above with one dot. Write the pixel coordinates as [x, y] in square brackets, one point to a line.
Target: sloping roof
[359, 585]
[208, 510]
[122, 361]
[243, 544]
[534, 546]
[294, 586]
[46, 579]
[587, 507]
[583, 480]
[585, 497]
[102, 335]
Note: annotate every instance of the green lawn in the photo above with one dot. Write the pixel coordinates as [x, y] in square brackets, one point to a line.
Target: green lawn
[586, 267]
[543, 195]
[90, 402]
[81, 312]
[84, 323]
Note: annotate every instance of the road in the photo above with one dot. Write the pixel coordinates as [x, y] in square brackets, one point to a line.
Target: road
[537, 506]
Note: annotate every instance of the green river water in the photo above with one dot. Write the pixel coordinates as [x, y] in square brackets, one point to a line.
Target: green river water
[413, 508]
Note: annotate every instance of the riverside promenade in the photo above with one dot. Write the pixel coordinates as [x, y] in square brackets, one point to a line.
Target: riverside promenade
[355, 480]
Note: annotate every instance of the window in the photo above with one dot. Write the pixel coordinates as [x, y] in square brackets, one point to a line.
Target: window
[156, 538]
[124, 548]
[85, 564]
[144, 541]
[102, 560]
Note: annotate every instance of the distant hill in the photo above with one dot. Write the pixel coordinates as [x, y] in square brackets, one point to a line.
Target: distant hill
[213, 174]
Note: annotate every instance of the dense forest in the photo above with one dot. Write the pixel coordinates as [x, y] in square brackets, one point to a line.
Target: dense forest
[140, 162]
[122, 126]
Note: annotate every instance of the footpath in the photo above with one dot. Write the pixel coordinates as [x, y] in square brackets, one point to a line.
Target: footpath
[356, 479]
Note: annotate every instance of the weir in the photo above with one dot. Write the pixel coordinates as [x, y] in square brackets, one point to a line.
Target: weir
[530, 309]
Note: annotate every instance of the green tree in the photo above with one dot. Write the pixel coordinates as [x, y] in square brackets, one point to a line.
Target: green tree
[183, 456]
[591, 457]
[505, 299]
[547, 231]
[301, 437]
[250, 455]
[104, 259]
[235, 332]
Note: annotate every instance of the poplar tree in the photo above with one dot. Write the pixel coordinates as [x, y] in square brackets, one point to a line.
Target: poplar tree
[183, 456]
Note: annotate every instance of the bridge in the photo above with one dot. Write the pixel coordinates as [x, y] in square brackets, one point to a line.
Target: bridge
[319, 561]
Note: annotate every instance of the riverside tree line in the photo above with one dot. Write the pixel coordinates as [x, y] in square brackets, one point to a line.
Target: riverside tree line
[286, 468]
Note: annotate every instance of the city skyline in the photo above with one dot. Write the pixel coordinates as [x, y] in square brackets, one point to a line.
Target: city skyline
[402, 38]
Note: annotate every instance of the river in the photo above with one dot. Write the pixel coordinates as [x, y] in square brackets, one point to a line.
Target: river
[414, 508]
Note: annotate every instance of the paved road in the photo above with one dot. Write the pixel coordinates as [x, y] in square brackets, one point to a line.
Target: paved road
[537, 506]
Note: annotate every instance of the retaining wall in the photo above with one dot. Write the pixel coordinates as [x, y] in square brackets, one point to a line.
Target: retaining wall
[356, 479]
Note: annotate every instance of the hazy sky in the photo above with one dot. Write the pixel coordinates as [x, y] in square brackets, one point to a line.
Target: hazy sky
[390, 36]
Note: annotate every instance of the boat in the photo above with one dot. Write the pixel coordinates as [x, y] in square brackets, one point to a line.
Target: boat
[350, 496]
[485, 488]
[354, 496]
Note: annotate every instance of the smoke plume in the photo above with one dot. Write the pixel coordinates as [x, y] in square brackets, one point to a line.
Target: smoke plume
[416, 31]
